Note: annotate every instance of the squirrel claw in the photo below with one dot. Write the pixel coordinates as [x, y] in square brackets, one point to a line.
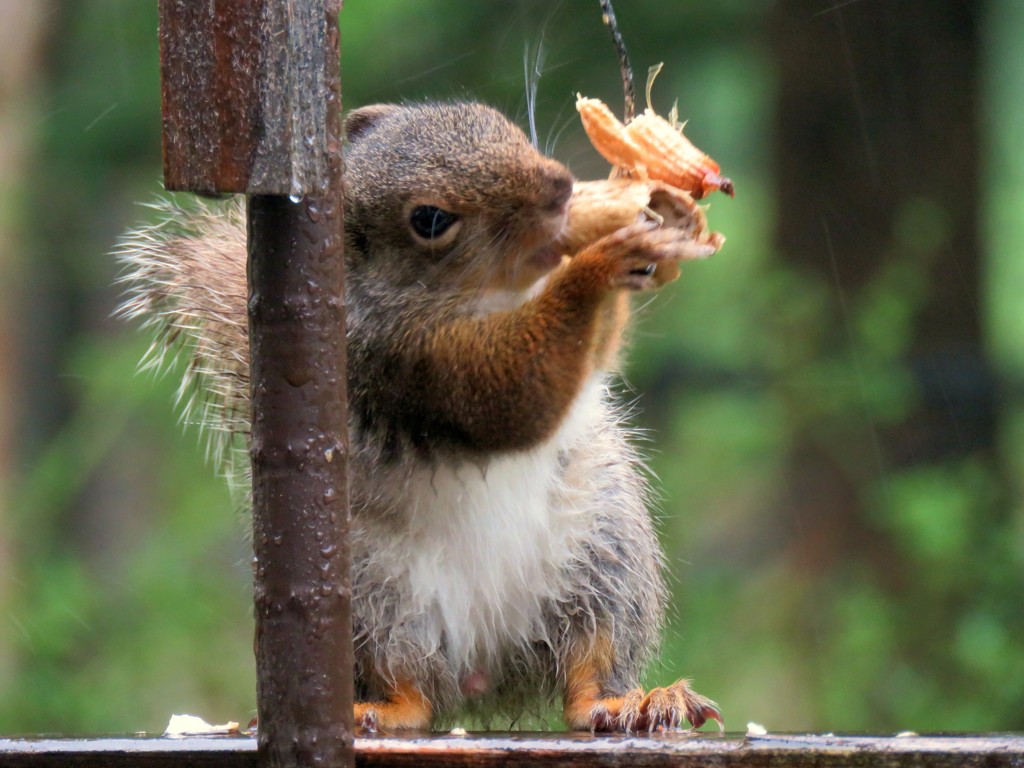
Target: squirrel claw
[631, 711]
[601, 719]
[370, 721]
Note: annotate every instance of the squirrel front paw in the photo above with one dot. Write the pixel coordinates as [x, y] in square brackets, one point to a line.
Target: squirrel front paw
[643, 256]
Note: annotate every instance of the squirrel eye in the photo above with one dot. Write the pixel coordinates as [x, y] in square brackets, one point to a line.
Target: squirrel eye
[431, 222]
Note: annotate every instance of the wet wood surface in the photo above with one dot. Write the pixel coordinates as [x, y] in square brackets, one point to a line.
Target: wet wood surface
[245, 96]
[543, 749]
[252, 104]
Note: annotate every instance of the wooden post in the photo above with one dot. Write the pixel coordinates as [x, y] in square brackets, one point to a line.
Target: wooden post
[251, 97]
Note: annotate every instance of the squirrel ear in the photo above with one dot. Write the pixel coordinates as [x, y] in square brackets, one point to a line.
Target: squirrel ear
[358, 121]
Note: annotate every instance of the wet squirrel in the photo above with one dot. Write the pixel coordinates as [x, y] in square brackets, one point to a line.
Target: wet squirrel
[502, 547]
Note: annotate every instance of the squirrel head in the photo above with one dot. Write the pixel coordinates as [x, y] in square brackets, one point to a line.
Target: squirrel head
[450, 196]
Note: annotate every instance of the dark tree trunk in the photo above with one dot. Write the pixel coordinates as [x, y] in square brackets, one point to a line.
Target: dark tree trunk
[876, 153]
[22, 37]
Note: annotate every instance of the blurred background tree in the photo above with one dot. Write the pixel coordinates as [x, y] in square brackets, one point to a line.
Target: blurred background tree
[834, 402]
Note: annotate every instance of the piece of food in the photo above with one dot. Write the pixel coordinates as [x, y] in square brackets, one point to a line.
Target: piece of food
[651, 147]
[598, 208]
[190, 725]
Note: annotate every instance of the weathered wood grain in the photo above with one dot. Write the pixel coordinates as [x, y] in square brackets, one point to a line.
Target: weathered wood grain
[245, 96]
[548, 749]
[252, 103]
[299, 441]
[299, 449]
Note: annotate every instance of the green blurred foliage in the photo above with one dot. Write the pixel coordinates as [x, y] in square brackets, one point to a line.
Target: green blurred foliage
[908, 616]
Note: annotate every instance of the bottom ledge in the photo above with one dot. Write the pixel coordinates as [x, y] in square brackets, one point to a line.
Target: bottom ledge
[551, 749]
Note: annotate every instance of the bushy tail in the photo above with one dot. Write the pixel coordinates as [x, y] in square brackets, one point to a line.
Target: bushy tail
[185, 279]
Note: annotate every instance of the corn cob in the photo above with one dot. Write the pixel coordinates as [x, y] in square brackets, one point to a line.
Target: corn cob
[651, 147]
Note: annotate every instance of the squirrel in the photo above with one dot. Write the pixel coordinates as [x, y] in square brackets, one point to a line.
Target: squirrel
[503, 551]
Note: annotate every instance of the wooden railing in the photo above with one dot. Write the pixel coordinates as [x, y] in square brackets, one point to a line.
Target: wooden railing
[542, 749]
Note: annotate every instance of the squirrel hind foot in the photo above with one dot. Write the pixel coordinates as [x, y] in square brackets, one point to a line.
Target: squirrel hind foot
[666, 708]
[660, 709]
[405, 709]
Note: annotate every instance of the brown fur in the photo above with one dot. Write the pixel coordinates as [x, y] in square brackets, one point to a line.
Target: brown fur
[407, 707]
[589, 706]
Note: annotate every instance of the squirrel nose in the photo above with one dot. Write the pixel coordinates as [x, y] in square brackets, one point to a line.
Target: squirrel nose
[559, 189]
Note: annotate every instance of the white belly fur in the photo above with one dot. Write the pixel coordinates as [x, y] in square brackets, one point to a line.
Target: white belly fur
[486, 543]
